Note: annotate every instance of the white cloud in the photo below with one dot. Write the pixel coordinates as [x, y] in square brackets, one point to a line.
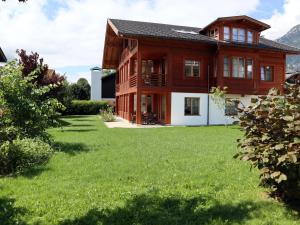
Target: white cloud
[282, 22]
[76, 34]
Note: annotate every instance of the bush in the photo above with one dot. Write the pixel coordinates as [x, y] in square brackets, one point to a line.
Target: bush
[108, 115]
[22, 154]
[272, 141]
[85, 107]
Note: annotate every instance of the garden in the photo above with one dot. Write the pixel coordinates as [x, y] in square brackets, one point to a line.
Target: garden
[61, 168]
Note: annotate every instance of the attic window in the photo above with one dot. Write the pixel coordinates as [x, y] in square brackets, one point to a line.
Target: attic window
[185, 31]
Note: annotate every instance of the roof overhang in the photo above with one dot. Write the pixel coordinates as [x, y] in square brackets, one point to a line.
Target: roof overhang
[112, 47]
[260, 26]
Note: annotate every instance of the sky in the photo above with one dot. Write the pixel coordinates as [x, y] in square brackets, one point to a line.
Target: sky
[69, 34]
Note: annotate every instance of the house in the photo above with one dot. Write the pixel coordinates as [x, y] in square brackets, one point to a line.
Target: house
[167, 71]
[102, 86]
[3, 59]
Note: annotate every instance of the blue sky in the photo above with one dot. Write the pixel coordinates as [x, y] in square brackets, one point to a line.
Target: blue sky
[69, 35]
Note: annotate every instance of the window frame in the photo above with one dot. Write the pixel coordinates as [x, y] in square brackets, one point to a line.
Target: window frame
[192, 68]
[232, 101]
[247, 71]
[191, 106]
[238, 67]
[229, 67]
[264, 68]
[252, 37]
[225, 34]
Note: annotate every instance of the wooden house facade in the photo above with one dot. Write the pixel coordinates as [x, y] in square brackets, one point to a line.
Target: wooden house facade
[167, 71]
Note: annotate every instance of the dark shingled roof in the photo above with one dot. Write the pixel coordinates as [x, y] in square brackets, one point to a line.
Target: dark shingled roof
[2, 56]
[165, 31]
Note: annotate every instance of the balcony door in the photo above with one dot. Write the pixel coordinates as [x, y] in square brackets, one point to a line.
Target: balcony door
[147, 104]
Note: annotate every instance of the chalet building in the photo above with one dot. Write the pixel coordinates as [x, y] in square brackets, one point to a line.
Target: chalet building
[3, 59]
[165, 72]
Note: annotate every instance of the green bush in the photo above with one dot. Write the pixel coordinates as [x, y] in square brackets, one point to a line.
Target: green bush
[21, 154]
[108, 115]
[86, 107]
[272, 141]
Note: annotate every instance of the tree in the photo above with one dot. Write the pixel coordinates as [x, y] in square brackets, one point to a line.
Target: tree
[44, 76]
[80, 90]
[271, 141]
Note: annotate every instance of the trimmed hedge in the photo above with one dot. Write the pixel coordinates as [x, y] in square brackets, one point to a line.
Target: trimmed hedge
[85, 107]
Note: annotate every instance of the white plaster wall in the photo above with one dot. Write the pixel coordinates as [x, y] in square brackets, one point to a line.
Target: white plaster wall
[96, 85]
[177, 109]
[216, 115]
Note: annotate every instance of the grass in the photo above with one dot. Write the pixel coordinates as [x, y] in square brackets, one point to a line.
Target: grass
[177, 176]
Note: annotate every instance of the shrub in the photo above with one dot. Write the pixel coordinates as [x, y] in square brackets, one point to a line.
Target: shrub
[21, 154]
[85, 107]
[272, 141]
[108, 115]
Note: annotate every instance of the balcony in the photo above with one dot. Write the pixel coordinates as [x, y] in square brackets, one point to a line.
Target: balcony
[154, 80]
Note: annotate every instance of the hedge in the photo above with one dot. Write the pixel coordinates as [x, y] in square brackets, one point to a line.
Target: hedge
[85, 107]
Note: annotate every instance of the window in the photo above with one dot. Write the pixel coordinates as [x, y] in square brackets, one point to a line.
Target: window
[238, 67]
[191, 106]
[238, 34]
[231, 107]
[241, 35]
[235, 34]
[212, 33]
[192, 68]
[226, 34]
[226, 68]
[249, 68]
[266, 73]
[147, 67]
[250, 37]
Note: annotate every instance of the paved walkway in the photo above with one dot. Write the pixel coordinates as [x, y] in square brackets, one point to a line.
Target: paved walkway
[121, 123]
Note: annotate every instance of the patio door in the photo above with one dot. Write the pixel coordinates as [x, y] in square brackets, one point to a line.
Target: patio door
[147, 104]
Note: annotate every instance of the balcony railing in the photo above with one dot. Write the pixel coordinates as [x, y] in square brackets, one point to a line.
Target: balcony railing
[154, 80]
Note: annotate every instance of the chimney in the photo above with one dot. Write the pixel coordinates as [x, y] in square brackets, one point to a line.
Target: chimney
[96, 84]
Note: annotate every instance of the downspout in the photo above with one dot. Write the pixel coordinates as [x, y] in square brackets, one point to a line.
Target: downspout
[208, 97]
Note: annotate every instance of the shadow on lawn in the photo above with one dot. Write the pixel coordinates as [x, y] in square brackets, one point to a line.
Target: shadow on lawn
[70, 148]
[9, 214]
[146, 210]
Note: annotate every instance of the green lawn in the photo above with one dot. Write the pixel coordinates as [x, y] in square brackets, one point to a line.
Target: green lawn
[181, 175]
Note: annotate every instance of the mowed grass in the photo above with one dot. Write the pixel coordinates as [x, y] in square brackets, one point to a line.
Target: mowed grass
[177, 176]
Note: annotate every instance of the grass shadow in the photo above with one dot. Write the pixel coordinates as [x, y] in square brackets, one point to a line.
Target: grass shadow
[151, 209]
[33, 172]
[9, 214]
[70, 148]
[78, 130]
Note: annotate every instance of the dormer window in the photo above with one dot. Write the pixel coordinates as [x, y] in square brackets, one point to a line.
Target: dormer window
[238, 34]
[250, 37]
[226, 34]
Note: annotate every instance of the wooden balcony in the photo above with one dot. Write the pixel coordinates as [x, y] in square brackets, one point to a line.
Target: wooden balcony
[154, 80]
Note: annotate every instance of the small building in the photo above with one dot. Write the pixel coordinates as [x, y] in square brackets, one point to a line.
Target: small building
[102, 86]
[166, 71]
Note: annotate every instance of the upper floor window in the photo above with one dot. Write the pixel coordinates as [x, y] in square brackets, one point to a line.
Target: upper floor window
[192, 68]
[226, 67]
[147, 67]
[249, 68]
[238, 67]
[250, 37]
[266, 73]
[226, 34]
[238, 34]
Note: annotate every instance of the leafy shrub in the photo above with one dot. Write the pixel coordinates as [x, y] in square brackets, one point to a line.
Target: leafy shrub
[85, 107]
[272, 141]
[23, 104]
[21, 154]
[108, 115]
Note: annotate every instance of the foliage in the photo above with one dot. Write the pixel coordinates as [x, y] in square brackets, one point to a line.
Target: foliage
[24, 110]
[107, 115]
[80, 90]
[85, 107]
[21, 154]
[218, 96]
[272, 141]
[44, 76]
